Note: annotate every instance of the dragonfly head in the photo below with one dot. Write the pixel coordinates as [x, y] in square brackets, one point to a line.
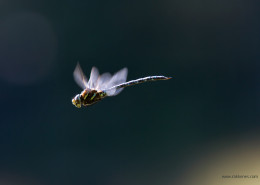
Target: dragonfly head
[77, 101]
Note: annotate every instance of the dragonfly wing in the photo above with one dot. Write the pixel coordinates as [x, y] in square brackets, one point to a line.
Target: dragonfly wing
[103, 80]
[93, 78]
[80, 78]
[118, 78]
[113, 91]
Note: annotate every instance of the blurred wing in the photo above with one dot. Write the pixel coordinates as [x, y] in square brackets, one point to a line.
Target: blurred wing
[80, 78]
[103, 80]
[114, 91]
[118, 78]
[93, 78]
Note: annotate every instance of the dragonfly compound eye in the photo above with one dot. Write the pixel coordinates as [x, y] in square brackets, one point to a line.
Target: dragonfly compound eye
[76, 101]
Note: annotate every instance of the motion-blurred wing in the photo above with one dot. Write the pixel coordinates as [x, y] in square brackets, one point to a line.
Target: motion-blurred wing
[93, 78]
[80, 78]
[118, 78]
[103, 81]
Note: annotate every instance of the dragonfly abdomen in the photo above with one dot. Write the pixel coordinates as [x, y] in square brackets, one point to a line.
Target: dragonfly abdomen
[141, 80]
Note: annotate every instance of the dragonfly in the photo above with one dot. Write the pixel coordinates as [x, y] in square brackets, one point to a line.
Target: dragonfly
[100, 86]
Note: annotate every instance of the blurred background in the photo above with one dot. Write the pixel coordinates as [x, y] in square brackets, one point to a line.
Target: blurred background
[192, 129]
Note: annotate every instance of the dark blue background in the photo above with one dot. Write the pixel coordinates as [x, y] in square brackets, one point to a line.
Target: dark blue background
[147, 134]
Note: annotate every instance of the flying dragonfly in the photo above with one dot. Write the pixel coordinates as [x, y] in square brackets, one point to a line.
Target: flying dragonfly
[101, 86]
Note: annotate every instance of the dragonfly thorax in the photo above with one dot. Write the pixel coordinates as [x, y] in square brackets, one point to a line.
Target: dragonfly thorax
[88, 97]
